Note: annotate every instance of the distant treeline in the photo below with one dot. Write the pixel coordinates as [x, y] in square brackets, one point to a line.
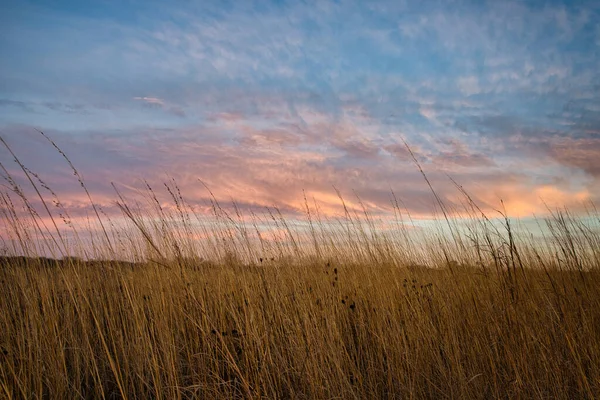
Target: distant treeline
[22, 261]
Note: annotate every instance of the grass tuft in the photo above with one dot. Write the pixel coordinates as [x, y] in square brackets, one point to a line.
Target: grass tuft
[167, 302]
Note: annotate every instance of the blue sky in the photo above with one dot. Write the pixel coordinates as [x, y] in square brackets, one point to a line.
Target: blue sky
[264, 99]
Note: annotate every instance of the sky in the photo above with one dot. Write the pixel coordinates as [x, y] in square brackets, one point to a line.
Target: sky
[264, 101]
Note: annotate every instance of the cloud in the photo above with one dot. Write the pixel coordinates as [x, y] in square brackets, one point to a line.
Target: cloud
[45, 106]
[161, 104]
[520, 202]
[272, 166]
[469, 85]
[459, 155]
[151, 100]
[25, 106]
[583, 154]
[264, 102]
[359, 149]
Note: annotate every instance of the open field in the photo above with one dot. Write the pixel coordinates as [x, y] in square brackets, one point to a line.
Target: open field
[315, 330]
[257, 307]
[312, 200]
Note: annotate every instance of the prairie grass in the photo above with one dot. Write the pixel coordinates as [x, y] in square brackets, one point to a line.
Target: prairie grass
[166, 302]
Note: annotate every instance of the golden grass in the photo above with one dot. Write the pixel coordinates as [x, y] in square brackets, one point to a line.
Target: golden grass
[276, 331]
[348, 311]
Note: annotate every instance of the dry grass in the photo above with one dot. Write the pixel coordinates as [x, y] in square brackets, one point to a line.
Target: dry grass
[327, 310]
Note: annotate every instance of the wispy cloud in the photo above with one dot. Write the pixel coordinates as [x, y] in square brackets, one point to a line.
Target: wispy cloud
[161, 104]
[262, 101]
[151, 100]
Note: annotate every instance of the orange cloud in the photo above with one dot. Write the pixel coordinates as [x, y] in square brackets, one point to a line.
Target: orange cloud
[521, 201]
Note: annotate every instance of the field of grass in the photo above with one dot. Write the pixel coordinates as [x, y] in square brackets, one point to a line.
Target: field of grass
[178, 305]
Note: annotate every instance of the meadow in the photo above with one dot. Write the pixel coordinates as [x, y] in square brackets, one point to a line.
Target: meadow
[176, 304]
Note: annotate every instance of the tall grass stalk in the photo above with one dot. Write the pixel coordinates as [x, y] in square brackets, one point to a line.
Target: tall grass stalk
[177, 303]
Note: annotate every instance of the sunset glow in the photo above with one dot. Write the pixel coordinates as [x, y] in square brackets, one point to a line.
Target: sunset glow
[262, 101]
[283, 199]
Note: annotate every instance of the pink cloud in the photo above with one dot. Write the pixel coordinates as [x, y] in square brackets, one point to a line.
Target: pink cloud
[260, 164]
[151, 100]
